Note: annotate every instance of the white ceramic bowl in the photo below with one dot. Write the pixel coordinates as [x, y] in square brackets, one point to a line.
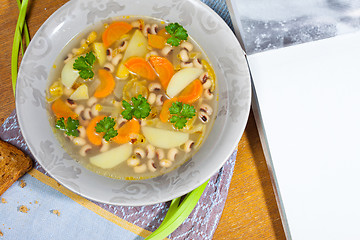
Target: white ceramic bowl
[223, 50]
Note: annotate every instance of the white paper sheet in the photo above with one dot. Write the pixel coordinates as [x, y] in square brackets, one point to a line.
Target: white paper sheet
[309, 99]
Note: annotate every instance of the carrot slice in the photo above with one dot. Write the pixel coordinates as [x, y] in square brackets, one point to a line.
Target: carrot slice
[163, 33]
[114, 32]
[60, 109]
[164, 69]
[94, 137]
[141, 67]
[107, 84]
[192, 92]
[165, 113]
[125, 132]
[156, 41]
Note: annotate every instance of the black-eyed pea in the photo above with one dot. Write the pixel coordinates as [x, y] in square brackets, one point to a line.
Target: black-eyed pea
[68, 57]
[79, 141]
[186, 64]
[91, 101]
[71, 103]
[67, 91]
[203, 77]
[109, 54]
[154, 29]
[154, 87]
[95, 110]
[207, 84]
[151, 98]
[133, 161]
[151, 165]
[172, 154]
[166, 163]
[159, 100]
[87, 113]
[146, 30]
[79, 109]
[189, 144]
[184, 55]
[188, 46]
[115, 60]
[166, 50]
[197, 63]
[123, 46]
[159, 153]
[203, 117]
[140, 152]
[208, 94]
[105, 145]
[82, 132]
[150, 149]
[206, 108]
[85, 149]
[109, 67]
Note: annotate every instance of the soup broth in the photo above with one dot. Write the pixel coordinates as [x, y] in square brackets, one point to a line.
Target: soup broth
[131, 98]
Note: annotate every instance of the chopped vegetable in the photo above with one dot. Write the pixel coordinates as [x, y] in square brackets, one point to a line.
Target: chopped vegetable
[164, 69]
[180, 113]
[69, 74]
[70, 127]
[181, 79]
[140, 108]
[133, 88]
[85, 65]
[165, 113]
[125, 132]
[192, 92]
[107, 84]
[56, 89]
[141, 67]
[112, 157]
[60, 109]
[177, 33]
[164, 138]
[137, 46]
[94, 137]
[114, 32]
[80, 93]
[156, 41]
[163, 33]
[100, 52]
[106, 125]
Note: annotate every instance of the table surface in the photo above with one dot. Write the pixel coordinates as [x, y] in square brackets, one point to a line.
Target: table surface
[250, 211]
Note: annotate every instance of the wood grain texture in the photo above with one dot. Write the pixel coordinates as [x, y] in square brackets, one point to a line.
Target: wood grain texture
[250, 211]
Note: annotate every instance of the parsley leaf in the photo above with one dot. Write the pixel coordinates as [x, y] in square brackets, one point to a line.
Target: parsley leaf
[180, 113]
[85, 65]
[106, 126]
[177, 33]
[140, 108]
[70, 127]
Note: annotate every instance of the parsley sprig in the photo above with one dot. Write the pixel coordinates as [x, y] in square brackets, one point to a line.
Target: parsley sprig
[106, 126]
[70, 127]
[140, 108]
[85, 65]
[181, 112]
[177, 33]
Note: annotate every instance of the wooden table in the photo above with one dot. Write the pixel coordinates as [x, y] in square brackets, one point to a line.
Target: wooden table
[250, 211]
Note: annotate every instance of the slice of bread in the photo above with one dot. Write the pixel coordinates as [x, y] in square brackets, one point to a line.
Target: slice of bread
[13, 164]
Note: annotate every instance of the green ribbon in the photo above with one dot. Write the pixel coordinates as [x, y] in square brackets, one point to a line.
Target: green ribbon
[18, 40]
